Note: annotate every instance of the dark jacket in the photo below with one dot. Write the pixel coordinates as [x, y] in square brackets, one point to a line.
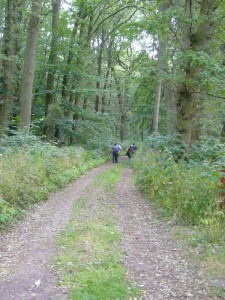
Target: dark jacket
[115, 149]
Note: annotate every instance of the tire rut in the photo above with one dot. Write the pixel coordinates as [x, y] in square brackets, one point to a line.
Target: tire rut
[26, 250]
[153, 260]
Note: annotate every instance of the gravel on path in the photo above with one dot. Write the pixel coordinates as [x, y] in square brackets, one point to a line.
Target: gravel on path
[27, 249]
[153, 260]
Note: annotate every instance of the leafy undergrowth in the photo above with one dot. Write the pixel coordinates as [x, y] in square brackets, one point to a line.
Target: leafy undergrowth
[31, 170]
[185, 184]
[89, 255]
[7, 213]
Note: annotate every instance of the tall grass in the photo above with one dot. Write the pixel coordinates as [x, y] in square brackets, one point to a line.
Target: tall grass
[30, 171]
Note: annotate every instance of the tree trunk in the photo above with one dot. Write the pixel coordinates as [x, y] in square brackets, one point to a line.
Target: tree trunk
[51, 63]
[99, 63]
[10, 64]
[155, 122]
[53, 54]
[70, 57]
[109, 65]
[190, 99]
[160, 70]
[8, 80]
[122, 106]
[76, 97]
[170, 106]
[82, 45]
[29, 66]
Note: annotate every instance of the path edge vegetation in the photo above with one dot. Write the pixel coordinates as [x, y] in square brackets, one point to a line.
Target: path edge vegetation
[31, 170]
[184, 183]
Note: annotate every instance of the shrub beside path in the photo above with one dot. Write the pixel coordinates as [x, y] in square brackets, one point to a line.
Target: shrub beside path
[153, 260]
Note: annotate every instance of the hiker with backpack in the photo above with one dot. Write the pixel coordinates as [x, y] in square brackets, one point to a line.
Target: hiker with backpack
[131, 150]
[115, 152]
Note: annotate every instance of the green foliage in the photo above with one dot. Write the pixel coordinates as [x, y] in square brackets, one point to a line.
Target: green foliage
[30, 171]
[97, 132]
[171, 143]
[188, 195]
[211, 74]
[185, 189]
[9, 143]
[54, 116]
[208, 149]
[7, 213]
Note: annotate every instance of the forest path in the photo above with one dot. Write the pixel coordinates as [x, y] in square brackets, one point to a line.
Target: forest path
[154, 262]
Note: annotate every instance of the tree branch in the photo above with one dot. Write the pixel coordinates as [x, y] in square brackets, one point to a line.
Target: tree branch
[108, 17]
[120, 24]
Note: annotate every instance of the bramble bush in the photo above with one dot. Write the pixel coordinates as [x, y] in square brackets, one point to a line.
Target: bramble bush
[30, 170]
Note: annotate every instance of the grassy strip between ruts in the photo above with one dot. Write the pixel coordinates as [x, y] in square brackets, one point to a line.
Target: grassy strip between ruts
[89, 255]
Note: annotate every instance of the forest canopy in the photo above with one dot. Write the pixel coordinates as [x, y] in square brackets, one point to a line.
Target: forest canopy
[80, 71]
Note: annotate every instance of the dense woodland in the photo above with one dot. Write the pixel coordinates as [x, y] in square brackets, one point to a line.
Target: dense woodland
[79, 75]
[88, 73]
[80, 71]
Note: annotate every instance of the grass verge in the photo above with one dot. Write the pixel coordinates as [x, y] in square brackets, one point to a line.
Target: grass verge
[29, 175]
[109, 178]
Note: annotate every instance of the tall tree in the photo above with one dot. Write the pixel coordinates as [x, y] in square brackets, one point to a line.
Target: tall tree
[70, 57]
[29, 66]
[12, 44]
[53, 53]
[99, 68]
[107, 75]
[52, 60]
[161, 66]
[6, 107]
[197, 36]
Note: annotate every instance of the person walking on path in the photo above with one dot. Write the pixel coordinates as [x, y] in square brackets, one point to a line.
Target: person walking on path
[115, 153]
[129, 151]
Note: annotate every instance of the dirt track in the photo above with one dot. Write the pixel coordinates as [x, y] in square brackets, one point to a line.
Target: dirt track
[153, 260]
